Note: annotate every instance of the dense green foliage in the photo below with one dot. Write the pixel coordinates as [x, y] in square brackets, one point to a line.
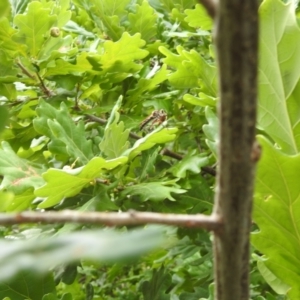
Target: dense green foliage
[77, 77]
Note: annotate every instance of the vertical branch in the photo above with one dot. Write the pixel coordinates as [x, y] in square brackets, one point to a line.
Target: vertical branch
[237, 51]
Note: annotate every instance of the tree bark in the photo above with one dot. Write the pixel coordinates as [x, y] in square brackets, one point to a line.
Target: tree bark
[236, 36]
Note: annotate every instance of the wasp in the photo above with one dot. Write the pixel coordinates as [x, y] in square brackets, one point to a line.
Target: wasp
[156, 117]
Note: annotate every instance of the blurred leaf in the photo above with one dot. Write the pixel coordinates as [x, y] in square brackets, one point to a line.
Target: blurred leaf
[34, 26]
[26, 285]
[66, 137]
[3, 117]
[38, 255]
[277, 285]
[198, 18]
[276, 212]
[6, 40]
[153, 191]
[143, 21]
[63, 183]
[203, 100]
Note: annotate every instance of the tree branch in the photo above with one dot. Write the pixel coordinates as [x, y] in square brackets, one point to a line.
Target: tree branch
[210, 6]
[113, 219]
[237, 55]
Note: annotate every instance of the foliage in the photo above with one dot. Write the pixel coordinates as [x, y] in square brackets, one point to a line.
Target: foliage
[76, 80]
[277, 192]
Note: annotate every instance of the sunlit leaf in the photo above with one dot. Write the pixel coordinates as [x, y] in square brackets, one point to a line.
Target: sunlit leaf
[33, 26]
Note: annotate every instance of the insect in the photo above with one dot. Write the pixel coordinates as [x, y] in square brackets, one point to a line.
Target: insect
[156, 117]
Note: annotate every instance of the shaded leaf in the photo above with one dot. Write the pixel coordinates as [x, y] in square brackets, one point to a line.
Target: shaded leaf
[191, 162]
[66, 137]
[153, 191]
[27, 285]
[156, 287]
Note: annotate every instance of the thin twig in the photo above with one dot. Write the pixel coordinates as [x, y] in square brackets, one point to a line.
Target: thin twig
[24, 70]
[210, 6]
[45, 90]
[113, 219]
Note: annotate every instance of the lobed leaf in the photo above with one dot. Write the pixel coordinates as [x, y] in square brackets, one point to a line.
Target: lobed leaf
[143, 21]
[191, 70]
[63, 183]
[66, 137]
[153, 191]
[34, 26]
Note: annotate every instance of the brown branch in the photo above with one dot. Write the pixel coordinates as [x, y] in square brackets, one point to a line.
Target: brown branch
[24, 70]
[45, 90]
[113, 219]
[237, 56]
[210, 6]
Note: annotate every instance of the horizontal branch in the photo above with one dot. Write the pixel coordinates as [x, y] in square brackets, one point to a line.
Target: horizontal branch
[113, 219]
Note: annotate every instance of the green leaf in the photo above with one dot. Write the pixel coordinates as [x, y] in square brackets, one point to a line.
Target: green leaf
[115, 140]
[277, 285]
[34, 26]
[191, 70]
[6, 40]
[153, 191]
[203, 100]
[276, 213]
[20, 176]
[198, 18]
[156, 287]
[3, 117]
[120, 56]
[26, 285]
[211, 130]
[147, 84]
[158, 136]
[191, 162]
[66, 137]
[39, 255]
[63, 183]
[278, 74]
[143, 21]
